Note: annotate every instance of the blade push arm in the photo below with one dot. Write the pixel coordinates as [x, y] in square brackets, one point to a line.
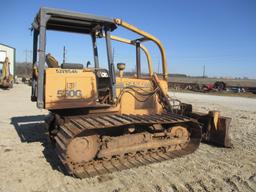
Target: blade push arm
[162, 95]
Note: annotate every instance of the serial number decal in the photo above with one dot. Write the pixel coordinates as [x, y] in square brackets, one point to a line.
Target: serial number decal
[63, 71]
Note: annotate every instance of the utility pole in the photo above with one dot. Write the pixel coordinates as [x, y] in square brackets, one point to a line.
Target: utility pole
[204, 72]
[113, 54]
[64, 54]
[28, 56]
[158, 67]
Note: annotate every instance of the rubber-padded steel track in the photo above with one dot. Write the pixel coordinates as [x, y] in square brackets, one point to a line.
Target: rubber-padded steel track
[79, 125]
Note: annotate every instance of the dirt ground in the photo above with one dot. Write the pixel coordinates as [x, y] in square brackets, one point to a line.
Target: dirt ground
[223, 93]
[28, 163]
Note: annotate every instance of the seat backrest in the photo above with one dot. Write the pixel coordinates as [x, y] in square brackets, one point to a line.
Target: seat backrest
[72, 66]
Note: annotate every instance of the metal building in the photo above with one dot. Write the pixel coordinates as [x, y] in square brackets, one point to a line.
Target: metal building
[10, 52]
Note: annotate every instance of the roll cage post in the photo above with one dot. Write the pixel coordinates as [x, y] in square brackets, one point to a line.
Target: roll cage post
[145, 37]
[48, 18]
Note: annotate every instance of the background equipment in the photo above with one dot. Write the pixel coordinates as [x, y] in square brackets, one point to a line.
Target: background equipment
[6, 78]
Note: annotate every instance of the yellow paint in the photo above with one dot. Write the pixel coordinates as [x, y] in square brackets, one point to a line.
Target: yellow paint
[69, 88]
[127, 104]
[216, 115]
[59, 83]
[127, 41]
[150, 37]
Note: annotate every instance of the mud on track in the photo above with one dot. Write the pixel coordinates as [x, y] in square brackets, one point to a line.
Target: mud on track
[28, 163]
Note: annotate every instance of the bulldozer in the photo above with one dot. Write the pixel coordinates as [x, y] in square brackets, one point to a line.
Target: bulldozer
[6, 78]
[102, 120]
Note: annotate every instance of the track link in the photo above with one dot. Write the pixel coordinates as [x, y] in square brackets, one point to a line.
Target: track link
[80, 125]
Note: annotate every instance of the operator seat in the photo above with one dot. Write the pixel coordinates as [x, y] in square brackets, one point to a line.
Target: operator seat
[51, 61]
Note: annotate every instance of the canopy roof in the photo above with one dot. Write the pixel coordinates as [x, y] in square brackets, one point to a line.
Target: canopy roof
[62, 20]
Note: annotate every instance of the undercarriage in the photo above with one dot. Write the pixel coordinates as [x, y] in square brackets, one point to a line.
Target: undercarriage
[90, 145]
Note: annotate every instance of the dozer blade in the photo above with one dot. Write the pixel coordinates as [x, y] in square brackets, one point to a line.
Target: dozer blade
[216, 132]
[215, 128]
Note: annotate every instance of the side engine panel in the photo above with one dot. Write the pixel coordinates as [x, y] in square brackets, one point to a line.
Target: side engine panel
[69, 88]
[132, 102]
[81, 88]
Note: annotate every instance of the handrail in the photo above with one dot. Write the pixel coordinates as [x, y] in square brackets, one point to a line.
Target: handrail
[149, 59]
[150, 37]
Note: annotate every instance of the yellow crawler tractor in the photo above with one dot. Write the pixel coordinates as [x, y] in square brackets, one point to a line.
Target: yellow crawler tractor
[6, 79]
[101, 121]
